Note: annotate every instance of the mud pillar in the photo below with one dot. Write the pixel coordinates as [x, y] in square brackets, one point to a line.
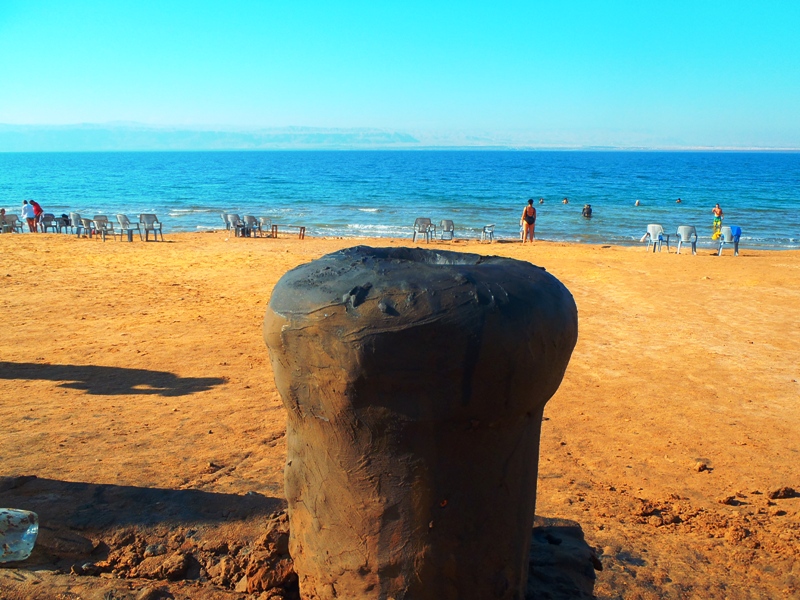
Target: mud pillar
[414, 383]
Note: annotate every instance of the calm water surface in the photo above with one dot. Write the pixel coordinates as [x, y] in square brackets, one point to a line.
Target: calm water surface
[380, 193]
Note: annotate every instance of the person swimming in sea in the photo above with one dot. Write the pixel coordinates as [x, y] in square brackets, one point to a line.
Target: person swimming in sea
[587, 211]
[528, 222]
[637, 203]
[565, 201]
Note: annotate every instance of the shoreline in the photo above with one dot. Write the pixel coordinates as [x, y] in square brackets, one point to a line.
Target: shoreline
[702, 248]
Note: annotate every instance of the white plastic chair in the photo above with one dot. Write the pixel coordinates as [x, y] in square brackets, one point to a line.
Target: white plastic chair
[265, 224]
[103, 226]
[126, 227]
[150, 223]
[75, 223]
[235, 223]
[14, 222]
[448, 229]
[684, 234]
[730, 235]
[487, 233]
[49, 221]
[252, 225]
[656, 237]
[88, 226]
[423, 226]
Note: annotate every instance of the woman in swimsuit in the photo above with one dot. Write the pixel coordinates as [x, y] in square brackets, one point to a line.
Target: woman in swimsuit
[529, 222]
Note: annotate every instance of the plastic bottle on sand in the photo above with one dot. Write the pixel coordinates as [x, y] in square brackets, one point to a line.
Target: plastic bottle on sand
[18, 531]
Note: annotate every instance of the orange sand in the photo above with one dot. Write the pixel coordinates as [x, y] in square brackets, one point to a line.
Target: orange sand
[681, 360]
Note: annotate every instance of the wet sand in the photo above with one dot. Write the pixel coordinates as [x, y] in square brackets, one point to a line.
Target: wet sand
[141, 367]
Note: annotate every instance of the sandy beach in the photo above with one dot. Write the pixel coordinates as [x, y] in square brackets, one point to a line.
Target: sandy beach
[136, 388]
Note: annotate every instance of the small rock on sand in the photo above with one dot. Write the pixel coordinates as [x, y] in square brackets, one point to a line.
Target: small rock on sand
[155, 550]
[783, 493]
[86, 568]
[154, 593]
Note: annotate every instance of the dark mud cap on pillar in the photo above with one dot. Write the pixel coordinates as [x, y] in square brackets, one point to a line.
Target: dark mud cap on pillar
[414, 382]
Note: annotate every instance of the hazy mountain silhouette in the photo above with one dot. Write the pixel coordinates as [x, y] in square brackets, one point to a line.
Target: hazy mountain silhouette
[133, 136]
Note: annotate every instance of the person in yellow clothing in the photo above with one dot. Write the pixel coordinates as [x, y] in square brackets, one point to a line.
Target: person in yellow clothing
[717, 212]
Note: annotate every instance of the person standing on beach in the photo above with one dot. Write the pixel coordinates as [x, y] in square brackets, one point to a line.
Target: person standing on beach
[29, 216]
[528, 222]
[38, 211]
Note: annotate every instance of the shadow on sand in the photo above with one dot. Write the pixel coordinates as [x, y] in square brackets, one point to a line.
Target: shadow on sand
[94, 506]
[562, 564]
[110, 380]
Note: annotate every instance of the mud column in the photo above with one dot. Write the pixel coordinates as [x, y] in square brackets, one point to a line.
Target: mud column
[414, 383]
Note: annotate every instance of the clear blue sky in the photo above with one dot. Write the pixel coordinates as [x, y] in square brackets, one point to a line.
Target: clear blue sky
[630, 73]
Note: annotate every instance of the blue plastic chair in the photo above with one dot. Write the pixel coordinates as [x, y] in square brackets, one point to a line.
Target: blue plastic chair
[730, 235]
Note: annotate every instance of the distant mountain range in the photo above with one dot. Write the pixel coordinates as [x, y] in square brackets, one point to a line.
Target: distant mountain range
[125, 136]
[120, 137]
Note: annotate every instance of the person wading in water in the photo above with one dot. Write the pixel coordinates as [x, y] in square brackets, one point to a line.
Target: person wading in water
[529, 222]
[718, 216]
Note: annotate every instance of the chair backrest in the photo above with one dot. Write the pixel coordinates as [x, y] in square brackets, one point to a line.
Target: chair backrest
[148, 219]
[488, 228]
[86, 223]
[726, 234]
[101, 220]
[447, 225]
[234, 220]
[48, 218]
[685, 232]
[251, 221]
[13, 222]
[655, 231]
[123, 221]
[75, 220]
[422, 224]
[265, 222]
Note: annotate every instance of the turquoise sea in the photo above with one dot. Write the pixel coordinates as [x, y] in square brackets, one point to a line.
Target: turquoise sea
[380, 193]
